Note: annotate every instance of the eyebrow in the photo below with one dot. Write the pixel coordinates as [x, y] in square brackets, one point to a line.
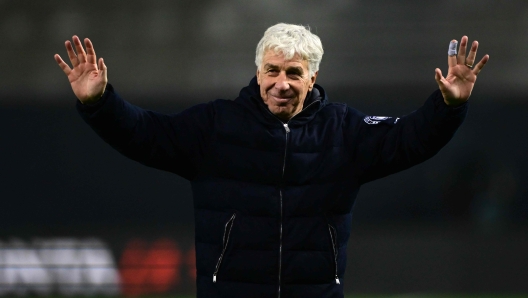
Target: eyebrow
[296, 69]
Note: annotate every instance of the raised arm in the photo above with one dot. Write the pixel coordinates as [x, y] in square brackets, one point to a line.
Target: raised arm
[388, 145]
[88, 78]
[174, 143]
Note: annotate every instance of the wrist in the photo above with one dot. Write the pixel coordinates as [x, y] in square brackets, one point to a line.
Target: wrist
[454, 104]
[95, 99]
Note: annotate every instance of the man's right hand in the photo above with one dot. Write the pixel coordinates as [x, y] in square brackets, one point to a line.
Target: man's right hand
[87, 78]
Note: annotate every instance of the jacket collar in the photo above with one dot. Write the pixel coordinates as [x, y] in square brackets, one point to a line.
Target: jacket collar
[250, 98]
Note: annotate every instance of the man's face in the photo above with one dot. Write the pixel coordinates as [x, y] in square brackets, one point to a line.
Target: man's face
[284, 83]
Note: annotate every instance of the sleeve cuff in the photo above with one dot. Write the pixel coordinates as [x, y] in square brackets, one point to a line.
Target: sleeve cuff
[92, 107]
[441, 105]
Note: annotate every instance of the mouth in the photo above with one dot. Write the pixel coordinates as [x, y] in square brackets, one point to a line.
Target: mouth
[280, 100]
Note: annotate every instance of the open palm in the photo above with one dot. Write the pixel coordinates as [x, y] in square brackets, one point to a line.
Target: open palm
[87, 77]
[456, 87]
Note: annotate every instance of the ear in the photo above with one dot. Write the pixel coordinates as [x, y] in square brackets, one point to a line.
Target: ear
[312, 83]
[258, 76]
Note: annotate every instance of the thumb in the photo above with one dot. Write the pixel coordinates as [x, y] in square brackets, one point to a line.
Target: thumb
[103, 69]
[439, 78]
[103, 73]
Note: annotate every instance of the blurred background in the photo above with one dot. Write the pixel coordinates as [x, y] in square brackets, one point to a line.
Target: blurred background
[77, 218]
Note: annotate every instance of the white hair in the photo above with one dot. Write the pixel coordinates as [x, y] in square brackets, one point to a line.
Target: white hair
[289, 40]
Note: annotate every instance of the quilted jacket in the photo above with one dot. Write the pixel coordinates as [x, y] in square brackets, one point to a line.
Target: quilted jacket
[272, 200]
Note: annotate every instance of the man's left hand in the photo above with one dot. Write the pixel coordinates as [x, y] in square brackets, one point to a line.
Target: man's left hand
[456, 87]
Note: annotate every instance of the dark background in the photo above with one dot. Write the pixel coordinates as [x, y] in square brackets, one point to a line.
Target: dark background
[456, 223]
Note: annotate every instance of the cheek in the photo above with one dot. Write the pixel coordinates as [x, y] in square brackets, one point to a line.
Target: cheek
[306, 86]
[262, 91]
[264, 86]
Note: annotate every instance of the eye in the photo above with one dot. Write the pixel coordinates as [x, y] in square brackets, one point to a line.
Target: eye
[272, 71]
[294, 75]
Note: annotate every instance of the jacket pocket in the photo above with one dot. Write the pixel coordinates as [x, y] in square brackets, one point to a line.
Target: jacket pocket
[333, 237]
[227, 232]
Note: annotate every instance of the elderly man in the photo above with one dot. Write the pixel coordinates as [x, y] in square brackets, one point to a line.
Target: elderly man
[274, 172]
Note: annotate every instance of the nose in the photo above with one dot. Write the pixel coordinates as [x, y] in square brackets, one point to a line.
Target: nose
[282, 82]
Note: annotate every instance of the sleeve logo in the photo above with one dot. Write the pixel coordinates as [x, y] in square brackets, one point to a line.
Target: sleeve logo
[377, 119]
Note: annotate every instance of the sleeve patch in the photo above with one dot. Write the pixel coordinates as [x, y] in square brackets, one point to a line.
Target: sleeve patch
[379, 119]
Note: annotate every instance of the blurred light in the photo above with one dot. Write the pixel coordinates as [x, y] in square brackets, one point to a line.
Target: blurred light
[66, 266]
[150, 269]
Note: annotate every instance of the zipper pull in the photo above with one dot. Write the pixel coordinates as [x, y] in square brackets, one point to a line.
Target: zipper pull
[286, 127]
[214, 278]
[337, 280]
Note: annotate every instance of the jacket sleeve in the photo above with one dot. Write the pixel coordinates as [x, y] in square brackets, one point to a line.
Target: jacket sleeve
[385, 145]
[173, 143]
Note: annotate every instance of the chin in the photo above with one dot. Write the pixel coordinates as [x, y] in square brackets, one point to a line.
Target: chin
[283, 116]
[283, 112]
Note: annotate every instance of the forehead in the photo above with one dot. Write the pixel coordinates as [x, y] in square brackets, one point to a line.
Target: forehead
[278, 59]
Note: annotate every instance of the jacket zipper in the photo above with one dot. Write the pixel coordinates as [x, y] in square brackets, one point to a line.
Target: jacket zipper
[227, 232]
[287, 129]
[333, 237]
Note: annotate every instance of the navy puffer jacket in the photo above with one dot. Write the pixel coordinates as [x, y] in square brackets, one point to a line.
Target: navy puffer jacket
[273, 200]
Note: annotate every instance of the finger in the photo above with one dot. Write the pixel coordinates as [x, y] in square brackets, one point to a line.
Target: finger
[71, 53]
[472, 53]
[452, 57]
[62, 64]
[461, 58]
[103, 70]
[81, 55]
[439, 76]
[91, 58]
[102, 67]
[481, 64]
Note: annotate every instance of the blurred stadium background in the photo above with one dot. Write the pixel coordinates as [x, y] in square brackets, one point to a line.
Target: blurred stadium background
[76, 218]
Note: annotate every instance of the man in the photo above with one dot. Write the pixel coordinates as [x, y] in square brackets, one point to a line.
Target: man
[275, 172]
